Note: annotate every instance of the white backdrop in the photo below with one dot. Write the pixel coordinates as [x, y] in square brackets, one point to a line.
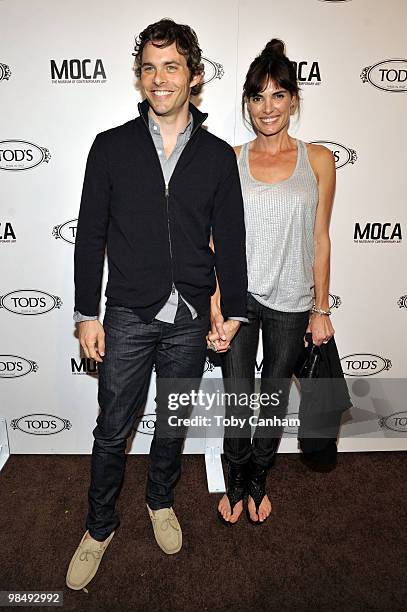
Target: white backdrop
[351, 60]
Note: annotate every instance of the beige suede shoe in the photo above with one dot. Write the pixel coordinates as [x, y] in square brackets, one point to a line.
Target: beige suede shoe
[85, 562]
[167, 530]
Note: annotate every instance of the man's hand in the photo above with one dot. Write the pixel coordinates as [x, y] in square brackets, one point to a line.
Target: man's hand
[230, 329]
[92, 339]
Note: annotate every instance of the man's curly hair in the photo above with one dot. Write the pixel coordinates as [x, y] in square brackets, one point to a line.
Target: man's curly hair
[162, 34]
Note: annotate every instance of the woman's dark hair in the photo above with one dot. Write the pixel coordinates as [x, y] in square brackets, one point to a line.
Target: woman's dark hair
[271, 65]
[162, 34]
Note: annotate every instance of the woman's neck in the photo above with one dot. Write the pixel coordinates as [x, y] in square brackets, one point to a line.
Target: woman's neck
[273, 144]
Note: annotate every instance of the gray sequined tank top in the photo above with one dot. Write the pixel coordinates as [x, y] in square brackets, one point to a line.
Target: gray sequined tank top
[279, 222]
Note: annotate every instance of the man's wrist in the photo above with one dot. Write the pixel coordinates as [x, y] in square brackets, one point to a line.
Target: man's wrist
[78, 317]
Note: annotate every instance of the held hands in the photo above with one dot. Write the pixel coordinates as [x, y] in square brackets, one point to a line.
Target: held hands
[92, 339]
[321, 329]
[222, 332]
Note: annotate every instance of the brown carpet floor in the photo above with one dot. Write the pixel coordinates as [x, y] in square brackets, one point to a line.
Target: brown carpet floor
[335, 542]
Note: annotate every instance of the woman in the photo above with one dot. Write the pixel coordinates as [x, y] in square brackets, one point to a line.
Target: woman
[288, 189]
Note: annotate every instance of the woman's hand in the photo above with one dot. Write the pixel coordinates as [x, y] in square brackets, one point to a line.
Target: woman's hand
[321, 329]
[214, 339]
[217, 323]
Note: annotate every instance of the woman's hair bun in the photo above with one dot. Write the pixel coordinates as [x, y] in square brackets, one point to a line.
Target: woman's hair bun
[274, 47]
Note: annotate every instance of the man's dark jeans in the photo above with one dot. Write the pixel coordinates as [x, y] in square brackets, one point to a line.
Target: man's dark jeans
[132, 348]
[283, 339]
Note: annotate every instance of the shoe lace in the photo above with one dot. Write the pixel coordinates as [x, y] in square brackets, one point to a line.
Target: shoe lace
[96, 554]
[169, 521]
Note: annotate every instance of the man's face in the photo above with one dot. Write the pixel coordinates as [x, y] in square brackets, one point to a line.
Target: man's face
[165, 79]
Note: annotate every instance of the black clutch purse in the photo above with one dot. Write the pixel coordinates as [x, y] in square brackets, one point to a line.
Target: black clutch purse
[309, 360]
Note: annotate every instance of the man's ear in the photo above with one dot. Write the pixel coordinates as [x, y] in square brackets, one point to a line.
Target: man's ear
[196, 80]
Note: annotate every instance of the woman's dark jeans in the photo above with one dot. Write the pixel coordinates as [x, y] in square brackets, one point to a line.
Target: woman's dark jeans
[283, 339]
[132, 348]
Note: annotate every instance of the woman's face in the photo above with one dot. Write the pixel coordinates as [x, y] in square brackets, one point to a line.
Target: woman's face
[270, 109]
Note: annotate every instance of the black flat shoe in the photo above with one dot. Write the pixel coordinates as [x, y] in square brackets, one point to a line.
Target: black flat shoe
[256, 488]
[236, 489]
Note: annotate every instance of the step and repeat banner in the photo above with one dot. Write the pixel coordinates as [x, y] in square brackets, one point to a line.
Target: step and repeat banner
[66, 74]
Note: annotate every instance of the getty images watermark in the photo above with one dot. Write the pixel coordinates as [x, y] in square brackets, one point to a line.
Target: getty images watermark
[207, 401]
[368, 406]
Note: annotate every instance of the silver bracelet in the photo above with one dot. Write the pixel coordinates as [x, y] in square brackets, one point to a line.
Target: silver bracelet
[320, 311]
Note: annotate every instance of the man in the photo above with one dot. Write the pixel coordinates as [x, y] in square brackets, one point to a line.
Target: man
[154, 190]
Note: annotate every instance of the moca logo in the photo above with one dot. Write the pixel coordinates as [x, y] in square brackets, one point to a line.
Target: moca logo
[212, 69]
[145, 424]
[308, 73]
[387, 75]
[364, 364]
[84, 366]
[66, 231]
[21, 155]
[77, 71]
[402, 301]
[343, 155]
[5, 72]
[7, 235]
[378, 232]
[29, 302]
[14, 366]
[41, 424]
[395, 422]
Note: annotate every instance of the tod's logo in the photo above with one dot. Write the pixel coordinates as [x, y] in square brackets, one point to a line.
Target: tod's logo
[21, 155]
[14, 366]
[387, 75]
[213, 70]
[343, 155]
[364, 364]
[5, 72]
[41, 424]
[66, 231]
[145, 424]
[29, 302]
[395, 422]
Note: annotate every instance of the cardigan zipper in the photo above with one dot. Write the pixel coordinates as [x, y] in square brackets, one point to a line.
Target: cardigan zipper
[167, 194]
